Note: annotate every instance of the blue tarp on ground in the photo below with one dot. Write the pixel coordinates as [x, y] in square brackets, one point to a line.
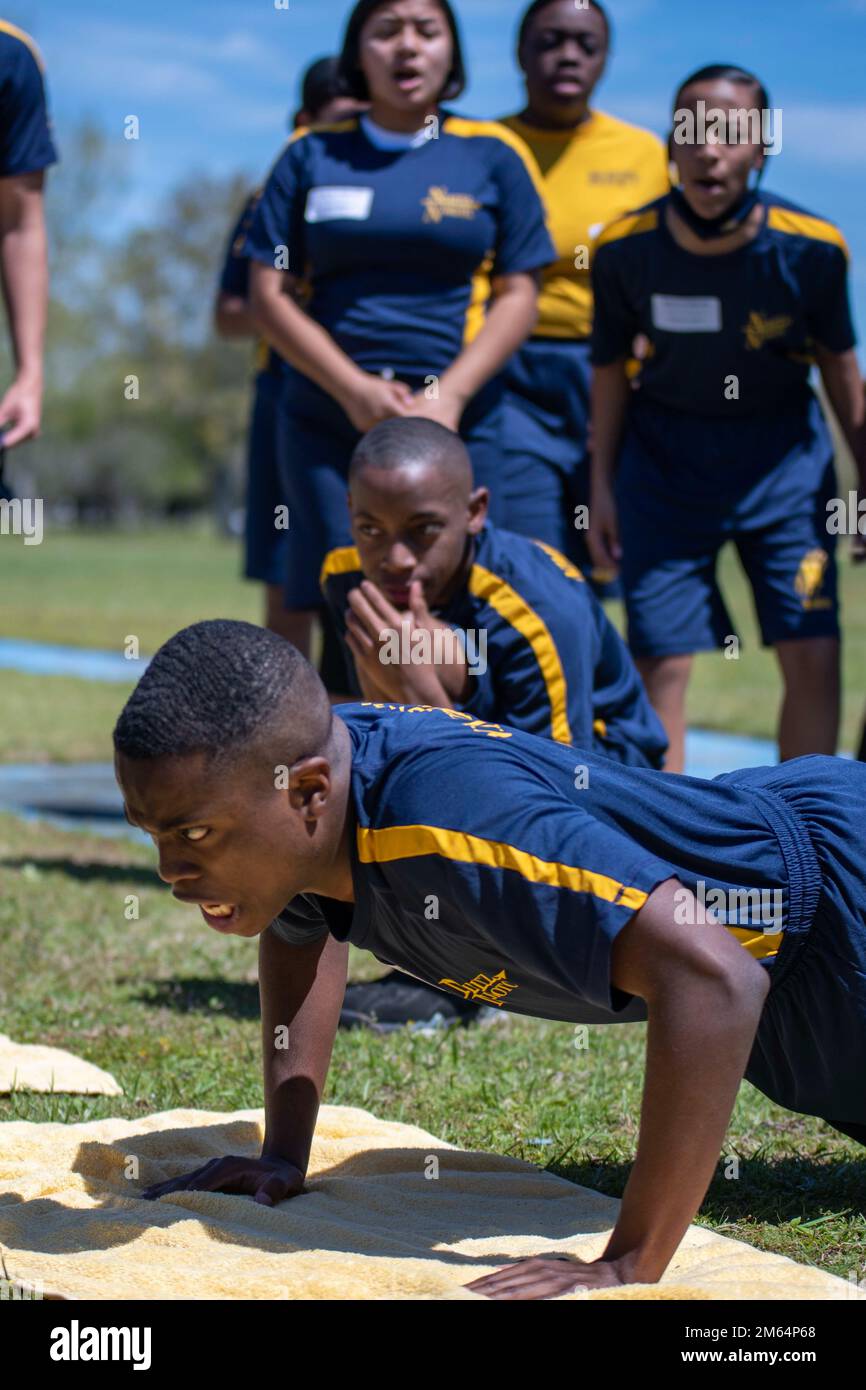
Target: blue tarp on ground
[84, 796]
[46, 659]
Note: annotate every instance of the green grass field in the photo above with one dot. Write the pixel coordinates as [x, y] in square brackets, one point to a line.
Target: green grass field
[98, 590]
[171, 1008]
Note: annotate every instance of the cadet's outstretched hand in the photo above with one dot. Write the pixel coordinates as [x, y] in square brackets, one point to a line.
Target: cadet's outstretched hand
[547, 1276]
[266, 1180]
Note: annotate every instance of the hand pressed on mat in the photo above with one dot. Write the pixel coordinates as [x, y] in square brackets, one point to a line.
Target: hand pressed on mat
[266, 1180]
[547, 1276]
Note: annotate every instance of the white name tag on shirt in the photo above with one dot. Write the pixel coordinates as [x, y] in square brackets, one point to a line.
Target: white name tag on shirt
[328, 203]
[686, 313]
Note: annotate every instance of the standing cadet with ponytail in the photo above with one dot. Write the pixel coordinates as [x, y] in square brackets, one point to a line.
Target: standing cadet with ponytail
[266, 545]
[420, 234]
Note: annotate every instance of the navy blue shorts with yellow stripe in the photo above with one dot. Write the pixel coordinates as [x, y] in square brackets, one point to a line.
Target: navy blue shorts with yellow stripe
[316, 441]
[810, 1049]
[687, 486]
[546, 457]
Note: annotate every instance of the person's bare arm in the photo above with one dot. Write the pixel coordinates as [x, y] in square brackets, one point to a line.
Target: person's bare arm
[840, 372]
[301, 990]
[305, 344]
[610, 397]
[232, 317]
[24, 270]
[510, 318]
[704, 997]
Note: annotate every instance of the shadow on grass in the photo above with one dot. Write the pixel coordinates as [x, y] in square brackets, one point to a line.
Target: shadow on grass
[234, 998]
[87, 872]
[772, 1189]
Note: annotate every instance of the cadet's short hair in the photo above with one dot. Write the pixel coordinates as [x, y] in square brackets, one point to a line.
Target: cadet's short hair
[220, 687]
[400, 441]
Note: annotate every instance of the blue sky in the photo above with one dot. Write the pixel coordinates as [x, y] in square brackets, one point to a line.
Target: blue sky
[212, 80]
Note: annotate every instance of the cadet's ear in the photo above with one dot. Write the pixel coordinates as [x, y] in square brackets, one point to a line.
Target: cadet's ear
[310, 786]
[479, 502]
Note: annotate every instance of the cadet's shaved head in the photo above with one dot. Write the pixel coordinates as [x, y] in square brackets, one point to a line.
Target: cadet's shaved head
[400, 443]
[220, 688]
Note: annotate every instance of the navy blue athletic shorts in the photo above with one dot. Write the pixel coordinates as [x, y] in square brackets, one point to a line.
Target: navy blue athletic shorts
[685, 486]
[547, 400]
[810, 1050]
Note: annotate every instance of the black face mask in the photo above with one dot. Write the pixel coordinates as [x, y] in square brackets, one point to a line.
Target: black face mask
[710, 228]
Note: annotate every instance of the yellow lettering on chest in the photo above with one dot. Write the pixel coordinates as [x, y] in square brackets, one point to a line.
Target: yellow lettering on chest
[761, 329]
[440, 203]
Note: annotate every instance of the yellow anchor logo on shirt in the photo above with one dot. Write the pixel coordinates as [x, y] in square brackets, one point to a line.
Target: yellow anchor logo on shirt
[810, 579]
[484, 989]
[760, 329]
[440, 203]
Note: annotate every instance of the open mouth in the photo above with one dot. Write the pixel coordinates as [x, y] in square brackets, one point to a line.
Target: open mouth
[219, 915]
[407, 79]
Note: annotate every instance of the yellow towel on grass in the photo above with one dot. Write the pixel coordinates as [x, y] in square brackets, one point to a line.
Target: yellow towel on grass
[31, 1067]
[377, 1221]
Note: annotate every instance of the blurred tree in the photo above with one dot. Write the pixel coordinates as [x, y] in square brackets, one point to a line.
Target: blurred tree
[145, 409]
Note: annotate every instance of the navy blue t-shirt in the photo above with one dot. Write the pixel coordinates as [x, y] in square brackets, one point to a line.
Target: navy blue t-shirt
[399, 245]
[481, 865]
[235, 276]
[26, 145]
[547, 658]
[757, 314]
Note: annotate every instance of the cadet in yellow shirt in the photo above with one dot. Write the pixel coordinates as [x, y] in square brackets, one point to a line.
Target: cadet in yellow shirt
[595, 168]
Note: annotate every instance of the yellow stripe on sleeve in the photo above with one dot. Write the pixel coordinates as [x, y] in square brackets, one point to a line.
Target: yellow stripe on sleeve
[802, 224]
[568, 569]
[628, 226]
[495, 130]
[758, 944]
[14, 32]
[409, 841]
[340, 561]
[351, 123]
[516, 611]
[479, 298]
[383, 846]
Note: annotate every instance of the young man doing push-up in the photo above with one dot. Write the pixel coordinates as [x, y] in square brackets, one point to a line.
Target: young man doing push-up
[561, 896]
